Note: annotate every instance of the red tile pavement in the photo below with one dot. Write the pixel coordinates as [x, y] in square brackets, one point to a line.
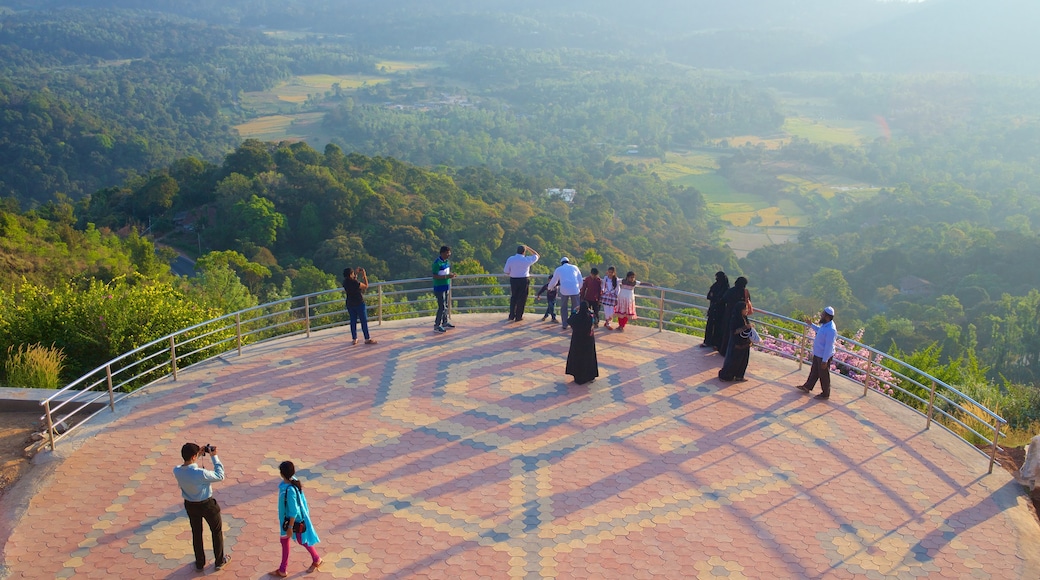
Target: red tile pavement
[470, 454]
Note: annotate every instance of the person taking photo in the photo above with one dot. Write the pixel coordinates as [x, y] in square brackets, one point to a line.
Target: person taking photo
[199, 502]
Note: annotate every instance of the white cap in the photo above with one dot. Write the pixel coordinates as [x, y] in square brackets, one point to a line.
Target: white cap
[829, 310]
[564, 260]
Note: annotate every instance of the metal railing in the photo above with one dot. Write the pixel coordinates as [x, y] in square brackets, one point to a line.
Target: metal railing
[663, 308]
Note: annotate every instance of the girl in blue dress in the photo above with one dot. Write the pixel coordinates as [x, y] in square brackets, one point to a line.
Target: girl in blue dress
[292, 509]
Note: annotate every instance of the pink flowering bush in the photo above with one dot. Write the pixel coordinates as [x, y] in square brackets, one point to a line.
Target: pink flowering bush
[849, 359]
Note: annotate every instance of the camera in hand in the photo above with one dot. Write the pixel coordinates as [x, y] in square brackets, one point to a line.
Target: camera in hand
[208, 450]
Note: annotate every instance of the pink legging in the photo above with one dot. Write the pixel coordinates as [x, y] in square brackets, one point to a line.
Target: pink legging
[315, 558]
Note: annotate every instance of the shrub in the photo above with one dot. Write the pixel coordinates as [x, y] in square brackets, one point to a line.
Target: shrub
[34, 366]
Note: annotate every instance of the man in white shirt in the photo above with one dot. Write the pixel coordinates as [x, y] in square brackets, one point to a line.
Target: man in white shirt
[199, 502]
[518, 268]
[569, 278]
[822, 353]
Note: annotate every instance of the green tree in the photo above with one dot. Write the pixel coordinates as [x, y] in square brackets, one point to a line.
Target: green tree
[256, 221]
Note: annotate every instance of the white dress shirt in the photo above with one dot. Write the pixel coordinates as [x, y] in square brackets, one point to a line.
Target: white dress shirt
[519, 265]
[568, 276]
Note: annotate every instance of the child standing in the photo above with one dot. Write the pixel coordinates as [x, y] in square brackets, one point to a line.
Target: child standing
[626, 302]
[550, 297]
[591, 291]
[611, 287]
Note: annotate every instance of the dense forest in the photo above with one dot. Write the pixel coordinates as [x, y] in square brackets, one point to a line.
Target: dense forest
[118, 149]
[551, 113]
[92, 97]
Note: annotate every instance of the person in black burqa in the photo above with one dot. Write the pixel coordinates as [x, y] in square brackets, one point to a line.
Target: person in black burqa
[739, 350]
[715, 325]
[581, 358]
[734, 297]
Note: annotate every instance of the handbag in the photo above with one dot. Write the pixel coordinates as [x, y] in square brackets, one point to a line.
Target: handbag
[299, 526]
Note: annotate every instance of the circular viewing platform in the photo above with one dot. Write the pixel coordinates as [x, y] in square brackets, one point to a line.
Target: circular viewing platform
[471, 454]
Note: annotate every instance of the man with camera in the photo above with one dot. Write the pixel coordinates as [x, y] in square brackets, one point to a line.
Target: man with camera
[194, 482]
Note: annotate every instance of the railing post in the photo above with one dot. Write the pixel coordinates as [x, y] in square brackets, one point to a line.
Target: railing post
[173, 358]
[447, 305]
[996, 438]
[660, 312]
[108, 379]
[379, 307]
[931, 406]
[801, 345]
[238, 331]
[870, 373]
[307, 315]
[50, 423]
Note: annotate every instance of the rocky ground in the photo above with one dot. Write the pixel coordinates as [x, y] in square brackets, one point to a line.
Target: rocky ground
[15, 432]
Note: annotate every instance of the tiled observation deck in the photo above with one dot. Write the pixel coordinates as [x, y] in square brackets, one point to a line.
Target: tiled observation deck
[470, 454]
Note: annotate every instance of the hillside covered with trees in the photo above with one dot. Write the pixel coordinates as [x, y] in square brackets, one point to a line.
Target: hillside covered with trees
[434, 124]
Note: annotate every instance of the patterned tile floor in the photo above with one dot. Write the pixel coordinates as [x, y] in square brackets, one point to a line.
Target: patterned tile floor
[470, 454]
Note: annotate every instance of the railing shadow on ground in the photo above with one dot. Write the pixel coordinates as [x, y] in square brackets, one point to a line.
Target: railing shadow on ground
[663, 308]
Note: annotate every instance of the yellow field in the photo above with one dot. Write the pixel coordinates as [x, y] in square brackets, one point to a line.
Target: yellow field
[741, 214]
[402, 66]
[676, 166]
[280, 127]
[771, 143]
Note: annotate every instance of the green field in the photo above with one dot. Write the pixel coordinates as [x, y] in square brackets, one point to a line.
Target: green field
[716, 188]
[830, 131]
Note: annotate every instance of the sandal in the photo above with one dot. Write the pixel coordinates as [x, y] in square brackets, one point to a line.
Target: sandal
[315, 565]
[279, 574]
[370, 341]
[355, 341]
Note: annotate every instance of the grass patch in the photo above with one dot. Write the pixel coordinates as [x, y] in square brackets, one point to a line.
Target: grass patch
[34, 366]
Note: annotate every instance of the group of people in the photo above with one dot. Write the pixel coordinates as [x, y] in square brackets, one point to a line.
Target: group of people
[611, 295]
[727, 328]
[582, 298]
[294, 516]
[728, 331]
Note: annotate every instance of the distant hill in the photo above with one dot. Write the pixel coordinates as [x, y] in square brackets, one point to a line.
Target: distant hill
[755, 35]
[973, 36]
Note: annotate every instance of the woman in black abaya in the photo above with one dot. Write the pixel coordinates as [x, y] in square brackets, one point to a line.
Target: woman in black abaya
[739, 348]
[581, 358]
[716, 323]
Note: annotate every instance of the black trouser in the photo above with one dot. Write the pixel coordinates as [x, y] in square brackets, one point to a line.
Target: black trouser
[595, 306]
[442, 311]
[518, 287]
[207, 510]
[821, 369]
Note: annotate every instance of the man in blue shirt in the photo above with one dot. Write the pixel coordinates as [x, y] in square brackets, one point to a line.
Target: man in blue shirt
[822, 353]
[199, 502]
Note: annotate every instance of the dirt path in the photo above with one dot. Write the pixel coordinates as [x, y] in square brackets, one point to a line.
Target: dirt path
[15, 429]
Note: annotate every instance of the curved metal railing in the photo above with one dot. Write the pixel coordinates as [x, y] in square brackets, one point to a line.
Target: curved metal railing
[665, 308]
